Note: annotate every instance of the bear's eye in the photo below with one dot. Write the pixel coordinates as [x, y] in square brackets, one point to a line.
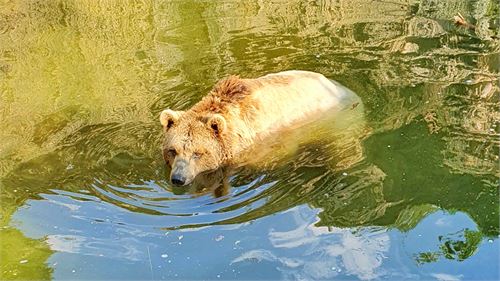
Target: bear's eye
[172, 152]
[197, 155]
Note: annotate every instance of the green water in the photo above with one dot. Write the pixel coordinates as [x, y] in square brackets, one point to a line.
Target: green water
[84, 193]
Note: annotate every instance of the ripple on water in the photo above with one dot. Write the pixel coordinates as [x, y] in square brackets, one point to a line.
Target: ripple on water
[113, 168]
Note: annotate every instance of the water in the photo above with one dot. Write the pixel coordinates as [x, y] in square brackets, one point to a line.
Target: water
[84, 193]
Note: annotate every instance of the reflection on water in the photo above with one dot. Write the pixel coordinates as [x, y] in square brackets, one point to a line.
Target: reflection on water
[326, 252]
[411, 193]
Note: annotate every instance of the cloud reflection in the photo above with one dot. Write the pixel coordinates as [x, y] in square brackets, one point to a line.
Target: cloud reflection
[321, 252]
[127, 248]
[446, 277]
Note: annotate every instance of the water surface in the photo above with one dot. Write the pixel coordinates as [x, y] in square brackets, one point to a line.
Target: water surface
[84, 193]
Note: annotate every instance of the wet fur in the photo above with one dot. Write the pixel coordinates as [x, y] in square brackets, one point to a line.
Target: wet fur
[239, 112]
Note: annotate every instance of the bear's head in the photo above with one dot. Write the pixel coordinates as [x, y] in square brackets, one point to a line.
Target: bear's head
[192, 144]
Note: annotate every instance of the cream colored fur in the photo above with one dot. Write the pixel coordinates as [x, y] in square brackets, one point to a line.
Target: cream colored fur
[241, 112]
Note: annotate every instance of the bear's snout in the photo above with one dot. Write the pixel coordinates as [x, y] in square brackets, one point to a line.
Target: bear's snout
[178, 179]
[181, 172]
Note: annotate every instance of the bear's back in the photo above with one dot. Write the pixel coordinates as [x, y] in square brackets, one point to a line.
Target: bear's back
[290, 97]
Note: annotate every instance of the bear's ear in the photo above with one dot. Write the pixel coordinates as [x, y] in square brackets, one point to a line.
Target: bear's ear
[217, 123]
[168, 117]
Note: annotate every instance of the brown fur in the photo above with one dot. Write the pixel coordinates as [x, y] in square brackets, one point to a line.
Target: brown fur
[227, 92]
[236, 113]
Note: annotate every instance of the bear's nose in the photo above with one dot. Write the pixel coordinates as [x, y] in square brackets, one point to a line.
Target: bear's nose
[178, 179]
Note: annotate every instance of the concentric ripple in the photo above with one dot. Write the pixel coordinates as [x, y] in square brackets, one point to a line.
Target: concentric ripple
[120, 166]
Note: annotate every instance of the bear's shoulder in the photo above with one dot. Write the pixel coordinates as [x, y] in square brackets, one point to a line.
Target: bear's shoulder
[230, 90]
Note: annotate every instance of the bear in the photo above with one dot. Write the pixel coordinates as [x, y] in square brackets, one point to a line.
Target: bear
[239, 112]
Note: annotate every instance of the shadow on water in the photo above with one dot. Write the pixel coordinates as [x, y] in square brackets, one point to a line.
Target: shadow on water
[81, 86]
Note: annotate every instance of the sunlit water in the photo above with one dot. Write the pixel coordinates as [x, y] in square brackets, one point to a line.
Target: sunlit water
[407, 191]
